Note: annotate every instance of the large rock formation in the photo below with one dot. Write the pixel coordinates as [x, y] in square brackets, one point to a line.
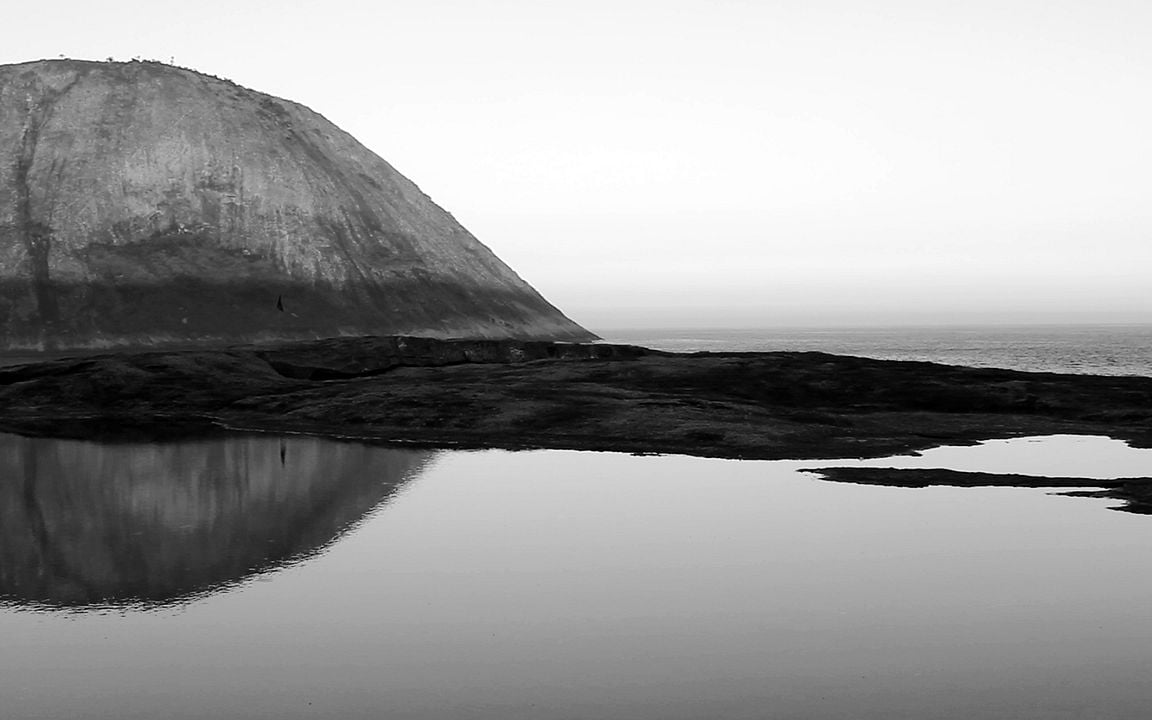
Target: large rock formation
[142, 203]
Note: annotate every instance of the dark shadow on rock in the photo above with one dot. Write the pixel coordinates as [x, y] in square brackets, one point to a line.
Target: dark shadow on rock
[87, 524]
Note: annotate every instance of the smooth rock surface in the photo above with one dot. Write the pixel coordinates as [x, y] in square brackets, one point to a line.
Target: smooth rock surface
[145, 204]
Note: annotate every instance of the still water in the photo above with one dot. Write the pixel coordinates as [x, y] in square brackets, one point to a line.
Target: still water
[1092, 349]
[255, 577]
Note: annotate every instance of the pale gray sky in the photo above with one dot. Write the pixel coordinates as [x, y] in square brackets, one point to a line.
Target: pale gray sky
[728, 162]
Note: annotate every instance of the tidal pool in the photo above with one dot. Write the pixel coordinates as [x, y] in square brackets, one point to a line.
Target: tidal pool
[259, 577]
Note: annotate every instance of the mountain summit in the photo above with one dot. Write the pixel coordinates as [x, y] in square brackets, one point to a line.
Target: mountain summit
[144, 204]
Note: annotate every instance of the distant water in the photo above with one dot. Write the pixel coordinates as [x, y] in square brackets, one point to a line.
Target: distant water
[1089, 349]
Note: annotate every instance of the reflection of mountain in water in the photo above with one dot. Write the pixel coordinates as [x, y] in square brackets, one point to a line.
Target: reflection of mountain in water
[85, 523]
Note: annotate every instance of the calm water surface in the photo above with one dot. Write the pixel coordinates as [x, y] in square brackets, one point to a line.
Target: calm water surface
[253, 577]
[1091, 349]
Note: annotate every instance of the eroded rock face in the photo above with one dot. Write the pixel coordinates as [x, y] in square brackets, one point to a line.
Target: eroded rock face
[141, 203]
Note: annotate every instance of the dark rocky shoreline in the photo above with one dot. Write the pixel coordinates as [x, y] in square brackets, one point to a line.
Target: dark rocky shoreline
[523, 394]
[1135, 492]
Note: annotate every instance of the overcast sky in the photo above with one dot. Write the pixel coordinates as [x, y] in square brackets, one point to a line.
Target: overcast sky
[727, 163]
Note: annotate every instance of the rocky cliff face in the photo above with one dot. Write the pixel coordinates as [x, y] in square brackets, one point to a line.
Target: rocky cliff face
[141, 203]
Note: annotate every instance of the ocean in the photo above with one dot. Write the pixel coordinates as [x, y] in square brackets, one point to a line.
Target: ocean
[1085, 349]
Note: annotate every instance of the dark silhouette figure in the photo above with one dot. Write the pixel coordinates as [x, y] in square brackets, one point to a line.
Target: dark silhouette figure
[280, 303]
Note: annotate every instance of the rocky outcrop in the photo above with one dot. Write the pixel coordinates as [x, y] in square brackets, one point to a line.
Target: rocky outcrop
[559, 395]
[1135, 492]
[143, 204]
